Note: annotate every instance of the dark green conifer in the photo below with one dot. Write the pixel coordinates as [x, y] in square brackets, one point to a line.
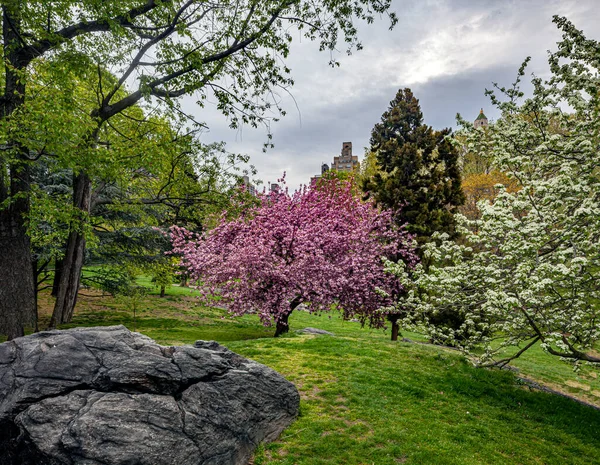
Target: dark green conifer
[418, 176]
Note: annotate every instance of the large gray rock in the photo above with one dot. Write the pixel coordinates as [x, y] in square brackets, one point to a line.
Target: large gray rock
[107, 396]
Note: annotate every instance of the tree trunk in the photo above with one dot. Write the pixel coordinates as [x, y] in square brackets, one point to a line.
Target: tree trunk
[162, 291]
[281, 325]
[72, 263]
[17, 285]
[57, 273]
[17, 289]
[36, 276]
[395, 328]
[17, 298]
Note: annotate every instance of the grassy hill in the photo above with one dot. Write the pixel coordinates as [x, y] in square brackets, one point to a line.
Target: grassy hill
[368, 401]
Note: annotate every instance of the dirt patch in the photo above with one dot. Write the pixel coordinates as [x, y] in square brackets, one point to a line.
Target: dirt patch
[551, 388]
[310, 387]
[575, 384]
[368, 430]
[313, 393]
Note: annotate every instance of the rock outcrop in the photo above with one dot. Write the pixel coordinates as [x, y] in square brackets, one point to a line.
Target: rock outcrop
[315, 331]
[107, 396]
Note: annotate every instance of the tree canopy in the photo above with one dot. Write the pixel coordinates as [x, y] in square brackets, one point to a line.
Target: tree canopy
[133, 52]
[319, 246]
[418, 175]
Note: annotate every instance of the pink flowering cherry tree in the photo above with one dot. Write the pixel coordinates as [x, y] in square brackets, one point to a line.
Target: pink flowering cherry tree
[321, 245]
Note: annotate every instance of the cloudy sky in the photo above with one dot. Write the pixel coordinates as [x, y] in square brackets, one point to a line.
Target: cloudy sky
[447, 51]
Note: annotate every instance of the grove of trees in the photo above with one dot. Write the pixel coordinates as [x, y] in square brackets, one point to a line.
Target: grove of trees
[80, 80]
[488, 239]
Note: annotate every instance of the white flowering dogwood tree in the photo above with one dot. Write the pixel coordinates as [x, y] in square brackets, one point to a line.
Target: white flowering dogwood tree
[528, 271]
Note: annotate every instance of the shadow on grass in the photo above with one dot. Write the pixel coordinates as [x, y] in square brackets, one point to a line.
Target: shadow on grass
[173, 330]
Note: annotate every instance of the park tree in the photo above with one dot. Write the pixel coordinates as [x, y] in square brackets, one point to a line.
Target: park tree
[233, 53]
[165, 176]
[320, 246]
[473, 160]
[368, 168]
[478, 187]
[163, 274]
[481, 179]
[418, 174]
[529, 272]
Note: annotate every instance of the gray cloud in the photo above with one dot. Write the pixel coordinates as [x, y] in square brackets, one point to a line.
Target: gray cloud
[448, 52]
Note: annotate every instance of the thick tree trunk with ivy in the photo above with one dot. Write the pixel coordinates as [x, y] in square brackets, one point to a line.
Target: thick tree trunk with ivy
[72, 263]
[17, 291]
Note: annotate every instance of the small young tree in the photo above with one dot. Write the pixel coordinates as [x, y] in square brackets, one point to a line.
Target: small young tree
[529, 272]
[319, 246]
[162, 273]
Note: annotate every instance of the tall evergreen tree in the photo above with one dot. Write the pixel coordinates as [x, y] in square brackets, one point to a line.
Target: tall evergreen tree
[418, 175]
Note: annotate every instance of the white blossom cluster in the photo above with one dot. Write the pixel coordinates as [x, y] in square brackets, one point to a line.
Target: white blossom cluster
[529, 269]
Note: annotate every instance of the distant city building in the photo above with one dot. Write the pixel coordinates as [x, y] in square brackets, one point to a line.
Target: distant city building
[346, 161]
[249, 187]
[324, 169]
[481, 120]
[274, 187]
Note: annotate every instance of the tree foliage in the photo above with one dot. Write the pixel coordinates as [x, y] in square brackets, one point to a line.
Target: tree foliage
[530, 271]
[479, 187]
[368, 167]
[418, 176]
[319, 246]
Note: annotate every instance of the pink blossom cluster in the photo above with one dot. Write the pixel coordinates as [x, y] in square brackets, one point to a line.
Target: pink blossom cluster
[318, 246]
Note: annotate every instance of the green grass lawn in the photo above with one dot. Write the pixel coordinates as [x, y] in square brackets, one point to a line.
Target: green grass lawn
[369, 401]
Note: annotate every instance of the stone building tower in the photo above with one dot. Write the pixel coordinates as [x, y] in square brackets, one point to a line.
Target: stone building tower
[481, 120]
[346, 161]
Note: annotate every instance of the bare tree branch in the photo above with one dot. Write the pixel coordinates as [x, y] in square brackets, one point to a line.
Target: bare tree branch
[110, 110]
[39, 47]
